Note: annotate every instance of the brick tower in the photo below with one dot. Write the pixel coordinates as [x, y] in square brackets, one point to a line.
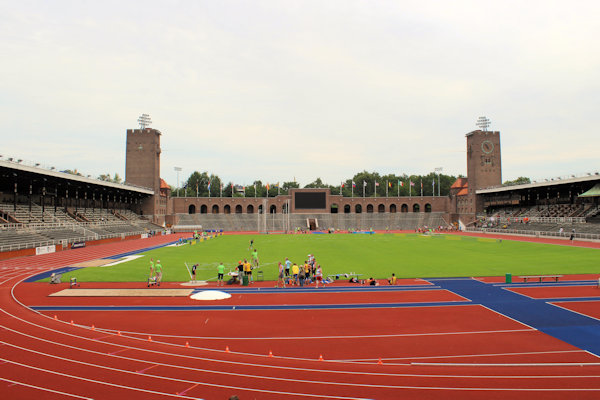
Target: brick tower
[142, 167]
[484, 165]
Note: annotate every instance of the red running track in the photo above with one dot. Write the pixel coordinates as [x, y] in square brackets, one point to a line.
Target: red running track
[46, 358]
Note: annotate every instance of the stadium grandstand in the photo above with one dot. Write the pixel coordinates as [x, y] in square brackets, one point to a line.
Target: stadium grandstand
[42, 209]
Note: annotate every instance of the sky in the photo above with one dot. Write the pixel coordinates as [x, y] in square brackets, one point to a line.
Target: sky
[297, 90]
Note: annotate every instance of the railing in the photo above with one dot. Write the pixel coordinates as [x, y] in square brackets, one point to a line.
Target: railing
[566, 235]
[552, 220]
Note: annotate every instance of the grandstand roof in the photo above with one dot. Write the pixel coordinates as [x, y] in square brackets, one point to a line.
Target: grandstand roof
[463, 192]
[163, 184]
[24, 169]
[552, 182]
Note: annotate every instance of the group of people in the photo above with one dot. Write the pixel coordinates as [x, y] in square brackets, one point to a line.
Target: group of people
[156, 272]
[293, 274]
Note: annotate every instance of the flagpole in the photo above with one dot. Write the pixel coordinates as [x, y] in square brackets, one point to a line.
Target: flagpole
[410, 188]
[421, 187]
[398, 188]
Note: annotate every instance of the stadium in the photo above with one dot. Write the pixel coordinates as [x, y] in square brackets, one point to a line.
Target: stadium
[488, 292]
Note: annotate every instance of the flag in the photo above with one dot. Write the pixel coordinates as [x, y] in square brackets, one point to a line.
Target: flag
[376, 184]
[343, 185]
[364, 183]
[209, 186]
[353, 184]
[412, 183]
[390, 184]
[400, 183]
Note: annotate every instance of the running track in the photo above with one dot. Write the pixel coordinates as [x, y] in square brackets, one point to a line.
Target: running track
[453, 338]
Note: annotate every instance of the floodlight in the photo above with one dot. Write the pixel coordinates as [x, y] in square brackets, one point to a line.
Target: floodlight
[144, 121]
[483, 123]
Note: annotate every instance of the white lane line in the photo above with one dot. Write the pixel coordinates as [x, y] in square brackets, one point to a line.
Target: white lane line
[44, 389]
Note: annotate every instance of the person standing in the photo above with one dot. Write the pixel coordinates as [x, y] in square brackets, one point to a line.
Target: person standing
[318, 276]
[251, 244]
[301, 276]
[295, 271]
[240, 269]
[248, 270]
[220, 274]
[194, 272]
[281, 276]
[288, 265]
[255, 258]
[572, 235]
[152, 270]
[159, 272]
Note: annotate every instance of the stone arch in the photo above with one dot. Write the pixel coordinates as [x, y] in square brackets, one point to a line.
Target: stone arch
[203, 209]
[215, 209]
[273, 209]
[238, 209]
[227, 209]
[192, 209]
[404, 208]
[369, 208]
[347, 209]
[428, 207]
[381, 208]
[334, 208]
[250, 209]
[358, 209]
[416, 208]
[392, 208]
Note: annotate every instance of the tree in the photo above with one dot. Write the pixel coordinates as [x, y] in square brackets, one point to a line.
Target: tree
[519, 181]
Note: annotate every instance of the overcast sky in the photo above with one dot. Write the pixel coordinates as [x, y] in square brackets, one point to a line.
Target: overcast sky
[282, 90]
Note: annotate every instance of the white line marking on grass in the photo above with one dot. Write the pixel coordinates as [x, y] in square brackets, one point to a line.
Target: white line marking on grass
[122, 260]
[44, 389]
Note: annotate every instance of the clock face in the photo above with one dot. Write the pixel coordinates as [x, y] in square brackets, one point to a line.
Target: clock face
[487, 147]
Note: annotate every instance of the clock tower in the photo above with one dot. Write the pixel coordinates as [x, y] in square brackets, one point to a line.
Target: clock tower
[484, 165]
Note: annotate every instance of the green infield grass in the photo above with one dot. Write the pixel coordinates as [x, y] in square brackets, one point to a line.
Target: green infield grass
[377, 255]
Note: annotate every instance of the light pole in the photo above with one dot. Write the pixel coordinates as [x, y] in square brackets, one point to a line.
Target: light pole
[438, 170]
[177, 169]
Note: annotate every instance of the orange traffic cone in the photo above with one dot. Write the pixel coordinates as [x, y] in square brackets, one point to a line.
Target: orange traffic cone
[320, 357]
[227, 349]
[93, 327]
[55, 318]
[118, 333]
[71, 322]
[149, 338]
[379, 362]
[270, 353]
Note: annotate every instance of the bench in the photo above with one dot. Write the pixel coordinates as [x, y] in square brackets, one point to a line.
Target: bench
[540, 277]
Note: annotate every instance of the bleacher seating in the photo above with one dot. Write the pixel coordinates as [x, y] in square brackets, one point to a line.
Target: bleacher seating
[28, 227]
[287, 222]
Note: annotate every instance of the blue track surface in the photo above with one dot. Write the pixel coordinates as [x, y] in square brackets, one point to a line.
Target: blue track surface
[576, 329]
